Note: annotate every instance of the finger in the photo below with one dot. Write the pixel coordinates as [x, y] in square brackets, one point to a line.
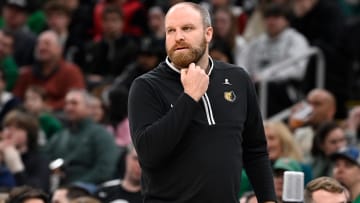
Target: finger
[192, 66]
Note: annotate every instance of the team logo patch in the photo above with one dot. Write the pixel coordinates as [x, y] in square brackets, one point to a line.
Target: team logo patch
[230, 96]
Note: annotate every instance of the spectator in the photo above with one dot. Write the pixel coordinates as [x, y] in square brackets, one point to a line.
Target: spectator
[89, 151]
[26, 194]
[347, 170]
[353, 126]
[129, 188]
[15, 14]
[149, 56]
[34, 103]
[7, 63]
[19, 147]
[107, 58]
[58, 18]
[226, 33]
[280, 142]
[279, 43]
[98, 110]
[324, 189]
[280, 166]
[156, 24]
[322, 23]
[50, 72]
[68, 193]
[323, 109]
[328, 139]
[7, 101]
[134, 17]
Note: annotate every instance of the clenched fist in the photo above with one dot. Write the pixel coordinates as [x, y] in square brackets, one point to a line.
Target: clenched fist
[195, 81]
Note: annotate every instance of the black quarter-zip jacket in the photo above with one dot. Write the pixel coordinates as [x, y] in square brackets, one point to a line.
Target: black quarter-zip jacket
[194, 151]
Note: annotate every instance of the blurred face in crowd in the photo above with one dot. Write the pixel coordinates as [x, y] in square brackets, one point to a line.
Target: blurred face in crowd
[275, 25]
[6, 45]
[222, 23]
[323, 196]
[187, 37]
[323, 106]
[97, 111]
[133, 170]
[33, 102]
[16, 136]
[34, 200]
[76, 108]
[156, 19]
[60, 196]
[334, 141]
[346, 172]
[112, 25]
[278, 182]
[71, 4]
[14, 17]
[48, 48]
[273, 143]
[58, 21]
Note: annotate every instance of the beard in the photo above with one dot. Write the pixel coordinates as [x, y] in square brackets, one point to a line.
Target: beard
[183, 58]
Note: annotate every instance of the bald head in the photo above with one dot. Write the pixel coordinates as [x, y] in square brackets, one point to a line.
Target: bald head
[189, 5]
[324, 105]
[48, 47]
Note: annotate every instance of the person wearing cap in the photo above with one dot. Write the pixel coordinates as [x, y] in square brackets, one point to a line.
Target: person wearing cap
[277, 44]
[15, 14]
[280, 166]
[347, 170]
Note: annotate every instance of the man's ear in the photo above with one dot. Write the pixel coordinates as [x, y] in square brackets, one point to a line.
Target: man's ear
[209, 34]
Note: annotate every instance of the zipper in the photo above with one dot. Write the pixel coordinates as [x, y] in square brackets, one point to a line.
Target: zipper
[208, 110]
[205, 98]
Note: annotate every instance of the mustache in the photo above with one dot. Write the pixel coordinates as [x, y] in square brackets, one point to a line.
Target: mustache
[180, 45]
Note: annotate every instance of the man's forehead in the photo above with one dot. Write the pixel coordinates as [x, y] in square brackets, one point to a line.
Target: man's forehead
[182, 14]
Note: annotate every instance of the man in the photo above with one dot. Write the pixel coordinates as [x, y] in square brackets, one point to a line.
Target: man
[323, 108]
[27, 194]
[280, 166]
[127, 189]
[15, 13]
[347, 170]
[50, 72]
[279, 43]
[324, 190]
[322, 23]
[107, 58]
[68, 194]
[7, 62]
[89, 151]
[58, 18]
[192, 120]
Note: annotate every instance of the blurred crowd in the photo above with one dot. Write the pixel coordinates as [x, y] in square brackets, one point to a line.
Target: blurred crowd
[66, 67]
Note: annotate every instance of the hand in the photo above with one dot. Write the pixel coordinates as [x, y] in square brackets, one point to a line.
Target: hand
[353, 120]
[195, 81]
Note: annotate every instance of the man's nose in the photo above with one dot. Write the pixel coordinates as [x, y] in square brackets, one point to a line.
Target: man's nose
[179, 36]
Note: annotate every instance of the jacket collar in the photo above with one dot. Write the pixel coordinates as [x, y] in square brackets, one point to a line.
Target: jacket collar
[172, 67]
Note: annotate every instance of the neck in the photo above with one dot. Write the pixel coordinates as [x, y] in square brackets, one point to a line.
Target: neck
[131, 186]
[355, 191]
[48, 66]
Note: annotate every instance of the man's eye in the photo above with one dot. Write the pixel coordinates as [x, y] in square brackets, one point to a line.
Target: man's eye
[188, 28]
[170, 31]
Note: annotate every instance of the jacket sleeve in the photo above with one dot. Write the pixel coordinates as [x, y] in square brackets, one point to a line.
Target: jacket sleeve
[255, 155]
[155, 132]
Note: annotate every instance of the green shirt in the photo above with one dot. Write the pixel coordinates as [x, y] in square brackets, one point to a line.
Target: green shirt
[11, 72]
[357, 200]
[49, 124]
